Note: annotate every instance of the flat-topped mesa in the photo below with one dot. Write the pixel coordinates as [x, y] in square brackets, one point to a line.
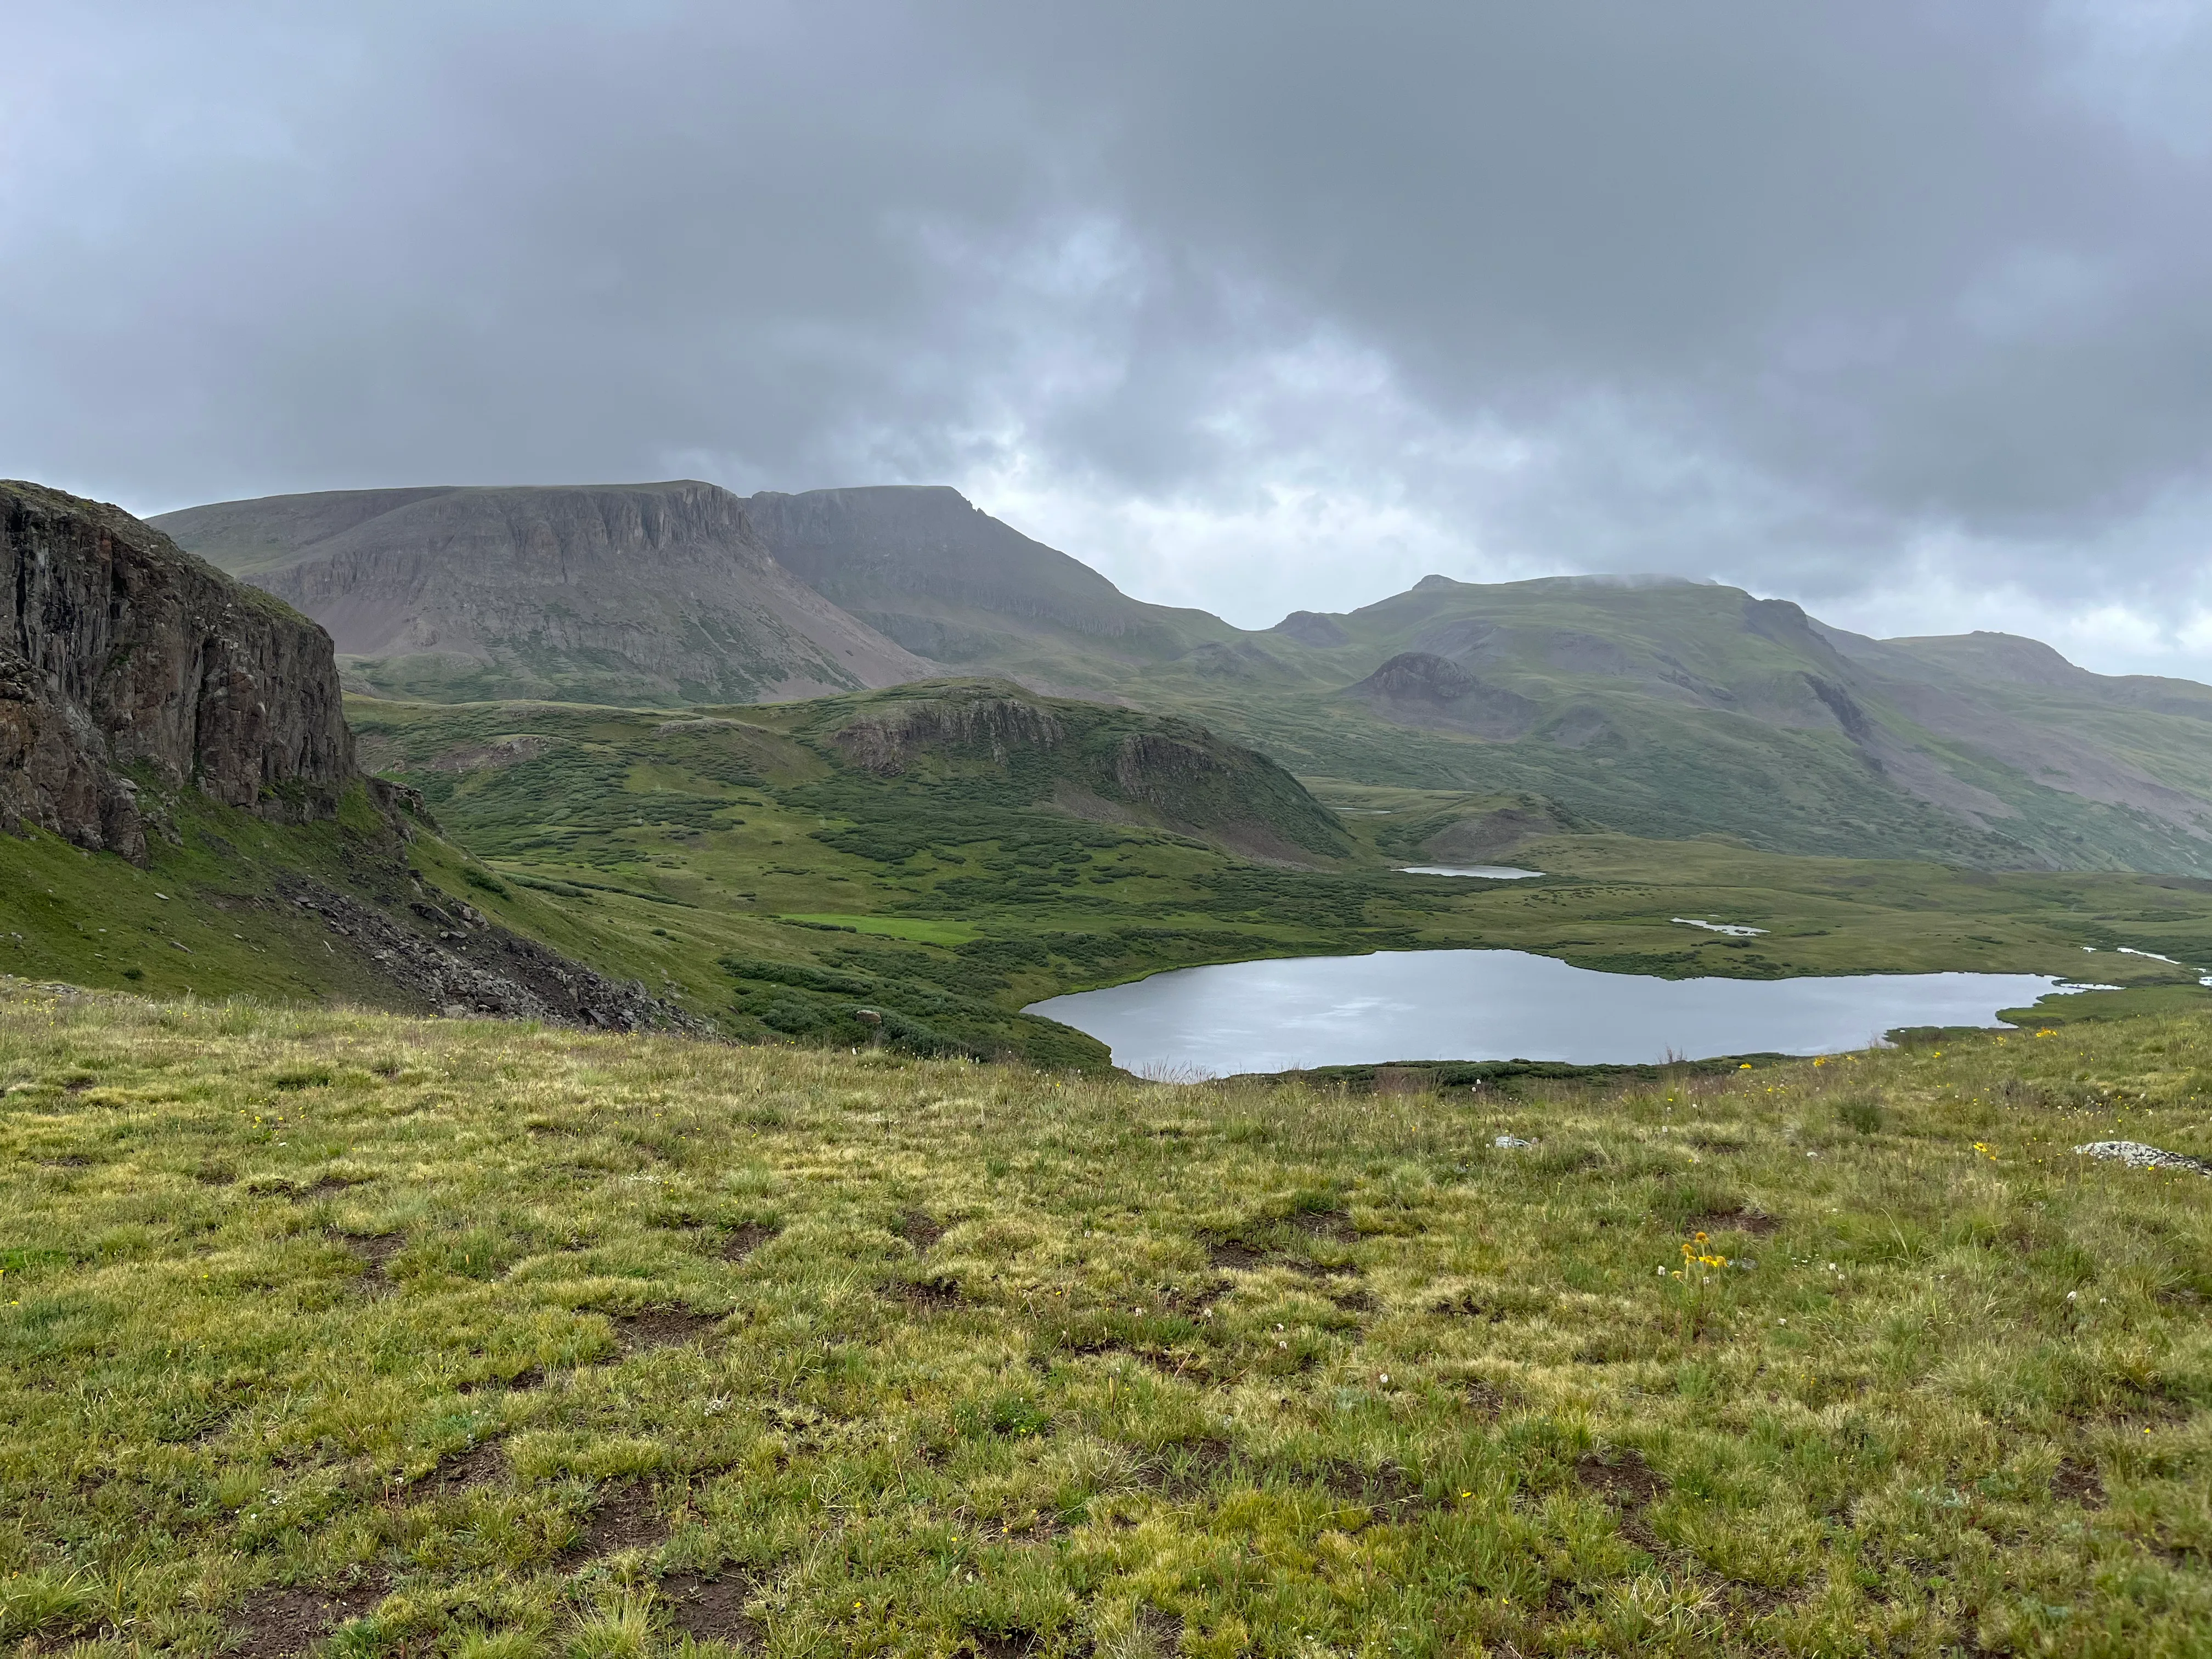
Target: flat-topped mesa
[120, 652]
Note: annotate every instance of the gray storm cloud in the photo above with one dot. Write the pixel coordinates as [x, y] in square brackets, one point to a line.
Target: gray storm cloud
[1899, 310]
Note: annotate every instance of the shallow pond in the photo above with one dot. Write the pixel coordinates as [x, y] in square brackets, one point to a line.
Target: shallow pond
[1276, 1015]
[1493, 871]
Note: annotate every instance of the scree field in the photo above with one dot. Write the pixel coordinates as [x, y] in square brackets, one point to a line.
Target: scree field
[486, 1340]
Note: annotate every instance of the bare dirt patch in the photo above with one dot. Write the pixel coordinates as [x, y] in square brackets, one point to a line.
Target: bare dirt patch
[1242, 1256]
[1158, 1633]
[275, 1622]
[1620, 1476]
[329, 1186]
[1388, 1489]
[529, 1376]
[1236, 1256]
[2077, 1483]
[1187, 1466]
[712, 1609]
[662, 1328]
[1485, 1399]
[937, 1292]
[374, 1251]
[1335, 1224]
[483, 1464]
[920, 1229]
[626, 1518]
[1748, 1219]
[1001, 1644]
[746, 1237]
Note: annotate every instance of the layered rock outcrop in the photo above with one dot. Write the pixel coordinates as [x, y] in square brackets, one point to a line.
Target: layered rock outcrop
[119, 651]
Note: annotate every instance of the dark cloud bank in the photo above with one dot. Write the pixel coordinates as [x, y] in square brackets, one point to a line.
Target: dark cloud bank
[1899, 310]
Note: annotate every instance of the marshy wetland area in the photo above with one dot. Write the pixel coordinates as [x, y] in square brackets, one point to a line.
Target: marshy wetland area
[500, 1341]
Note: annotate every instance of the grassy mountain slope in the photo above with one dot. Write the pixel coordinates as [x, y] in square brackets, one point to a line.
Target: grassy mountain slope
[949, 582]
[372, 907]
[1658, 707]
[654, 594]
[1663, 709]
[461, 1338]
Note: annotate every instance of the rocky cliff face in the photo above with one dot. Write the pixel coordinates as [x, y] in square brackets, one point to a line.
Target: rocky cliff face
[118, 650]
[636, 593]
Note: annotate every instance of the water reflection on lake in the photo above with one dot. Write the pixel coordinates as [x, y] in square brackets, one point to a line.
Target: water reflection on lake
[1494, 872]
[1503, 1005]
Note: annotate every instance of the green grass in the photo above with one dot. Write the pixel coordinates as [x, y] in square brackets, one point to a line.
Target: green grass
[906, 927]
[473, 1339]
[689, 843]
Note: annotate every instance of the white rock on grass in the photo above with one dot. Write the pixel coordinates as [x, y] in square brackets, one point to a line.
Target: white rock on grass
[2136, 1156]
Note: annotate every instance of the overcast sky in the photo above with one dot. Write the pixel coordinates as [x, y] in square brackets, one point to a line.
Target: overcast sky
[1902, 311]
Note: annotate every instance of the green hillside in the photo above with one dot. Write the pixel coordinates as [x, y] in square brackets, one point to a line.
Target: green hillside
[771, 864]
[465, 1339]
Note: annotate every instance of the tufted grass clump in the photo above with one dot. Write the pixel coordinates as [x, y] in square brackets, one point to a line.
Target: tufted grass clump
[323, 1330]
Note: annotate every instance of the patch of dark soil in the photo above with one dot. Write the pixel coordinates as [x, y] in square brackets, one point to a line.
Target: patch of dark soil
[372, 1251]
[712, 1609]
[483, 1464]
[1620, 1476]
[1748, 1219]
[1001, 1644]
[66, 1161]
[328, 1185]
[2077, 1483]
[77, 1086]
[1386, 1488]
[1187, 1466]
[529, 1376]
[213, 1176]
[920, 1229]
[274, 1622]
[746, 1237]
[1159, 1632]
[1237, 1256]
[625, 1519]
[1637, 1531]
[940, 1290]
[1485, 1399]
[1040, 1529]
[1326, 1223]
[662, 1328]
[1355, 1302]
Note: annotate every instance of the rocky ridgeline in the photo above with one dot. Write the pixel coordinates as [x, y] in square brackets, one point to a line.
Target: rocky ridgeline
[118, 651]
[121, 654]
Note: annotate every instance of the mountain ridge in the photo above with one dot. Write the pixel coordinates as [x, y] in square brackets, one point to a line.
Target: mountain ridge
[646, 592]
[1658, 704]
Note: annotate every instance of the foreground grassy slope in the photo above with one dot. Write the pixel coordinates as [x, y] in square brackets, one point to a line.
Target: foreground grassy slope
[469, 1339]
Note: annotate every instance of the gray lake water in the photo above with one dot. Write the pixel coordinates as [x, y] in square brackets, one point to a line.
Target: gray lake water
[1277, 1015]
[1493, 871]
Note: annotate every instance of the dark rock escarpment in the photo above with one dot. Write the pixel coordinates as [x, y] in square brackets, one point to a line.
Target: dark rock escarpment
[118, 651]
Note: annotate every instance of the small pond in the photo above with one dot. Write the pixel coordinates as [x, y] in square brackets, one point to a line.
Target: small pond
[1288, 1012]
[1493, 872]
